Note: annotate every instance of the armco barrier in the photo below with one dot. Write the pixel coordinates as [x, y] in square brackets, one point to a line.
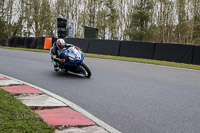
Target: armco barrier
[105, 47]
[174, 52]
[196, 55]
[82, 43]
[137, 49]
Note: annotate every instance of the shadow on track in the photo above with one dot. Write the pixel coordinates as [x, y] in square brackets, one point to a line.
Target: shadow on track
[62, 74]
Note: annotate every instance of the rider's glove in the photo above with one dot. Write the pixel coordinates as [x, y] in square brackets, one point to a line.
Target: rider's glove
[62, 60]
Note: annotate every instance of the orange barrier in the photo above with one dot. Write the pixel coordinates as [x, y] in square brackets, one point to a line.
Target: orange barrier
[48, 43]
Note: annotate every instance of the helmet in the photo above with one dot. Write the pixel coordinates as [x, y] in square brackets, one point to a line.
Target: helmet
[60, 43]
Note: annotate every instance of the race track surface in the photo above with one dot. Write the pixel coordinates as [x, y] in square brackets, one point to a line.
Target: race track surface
[131, 97]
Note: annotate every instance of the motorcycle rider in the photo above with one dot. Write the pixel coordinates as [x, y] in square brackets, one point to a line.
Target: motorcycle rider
[56, 51]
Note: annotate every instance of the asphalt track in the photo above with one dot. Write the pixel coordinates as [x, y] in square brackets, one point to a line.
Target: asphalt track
[131, 97]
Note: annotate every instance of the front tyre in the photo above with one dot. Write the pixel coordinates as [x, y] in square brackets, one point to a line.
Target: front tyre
[85, 71]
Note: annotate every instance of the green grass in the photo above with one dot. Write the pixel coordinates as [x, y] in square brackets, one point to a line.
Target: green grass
[139, 60]
[16, 117]
[147, 61]
[26, 49]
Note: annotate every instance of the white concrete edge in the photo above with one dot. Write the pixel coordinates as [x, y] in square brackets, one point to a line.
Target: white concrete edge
[71, 105]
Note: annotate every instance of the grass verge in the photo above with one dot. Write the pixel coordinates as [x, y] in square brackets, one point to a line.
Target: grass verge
[16, 117]
[138, 60]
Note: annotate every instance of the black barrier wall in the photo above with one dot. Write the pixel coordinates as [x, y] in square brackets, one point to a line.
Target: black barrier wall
[40, 42]
[54, 39]
[4, 42]
[105, 47]
[168, 52]
[82, 43]
[27, 42]
[19, 42]
[11, 42]
[137, 49]
[30, 42]
[22, 42]
[196, 55]
[174, 52]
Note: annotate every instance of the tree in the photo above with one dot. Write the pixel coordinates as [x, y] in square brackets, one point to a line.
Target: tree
[165, 21]
[196, 22]
[101, 19]
[45, 19]
[2, 17]
[111, 19]
[176, 21]
[140, 18]
[6, 17]
[181, 20]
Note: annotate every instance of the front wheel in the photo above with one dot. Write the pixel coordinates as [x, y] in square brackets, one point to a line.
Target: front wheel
[85, 71]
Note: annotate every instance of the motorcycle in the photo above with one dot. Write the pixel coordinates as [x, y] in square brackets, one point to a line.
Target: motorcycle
[72, 61]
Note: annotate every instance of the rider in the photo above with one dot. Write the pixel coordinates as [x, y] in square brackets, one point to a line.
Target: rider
[56, 52]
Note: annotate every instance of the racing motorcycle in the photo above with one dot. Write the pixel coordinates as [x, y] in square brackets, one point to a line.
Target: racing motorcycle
[72, 61]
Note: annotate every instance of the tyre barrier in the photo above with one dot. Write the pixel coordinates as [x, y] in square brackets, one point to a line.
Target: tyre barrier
[181, 53]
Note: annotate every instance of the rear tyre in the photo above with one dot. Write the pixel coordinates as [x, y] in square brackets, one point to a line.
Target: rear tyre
[86, 71]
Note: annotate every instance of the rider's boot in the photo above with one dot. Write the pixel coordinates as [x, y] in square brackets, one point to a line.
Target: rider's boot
[55, 64]
[56, 68]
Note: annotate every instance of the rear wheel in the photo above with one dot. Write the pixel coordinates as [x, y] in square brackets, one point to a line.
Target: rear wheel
[86, 71]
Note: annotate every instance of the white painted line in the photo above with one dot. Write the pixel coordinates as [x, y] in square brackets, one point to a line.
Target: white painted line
[73, 106]
[9, 82]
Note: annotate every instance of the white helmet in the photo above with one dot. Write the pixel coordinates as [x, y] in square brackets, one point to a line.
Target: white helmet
[60, 43]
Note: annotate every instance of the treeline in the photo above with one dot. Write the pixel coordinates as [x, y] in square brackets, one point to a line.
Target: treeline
[171, 21]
